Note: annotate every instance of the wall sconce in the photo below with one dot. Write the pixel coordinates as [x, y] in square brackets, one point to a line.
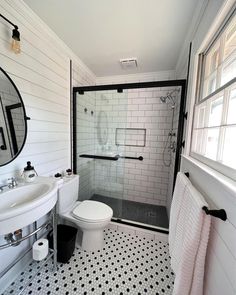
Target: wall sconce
[15, 44]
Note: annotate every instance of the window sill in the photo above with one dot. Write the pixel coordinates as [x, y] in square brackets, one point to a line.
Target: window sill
[227, 183]
[222, 169]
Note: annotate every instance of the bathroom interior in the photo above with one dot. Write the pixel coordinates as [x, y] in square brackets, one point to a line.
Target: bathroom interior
[117, 147]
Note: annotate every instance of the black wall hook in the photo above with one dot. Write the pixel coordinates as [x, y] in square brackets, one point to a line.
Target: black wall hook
[186, 174]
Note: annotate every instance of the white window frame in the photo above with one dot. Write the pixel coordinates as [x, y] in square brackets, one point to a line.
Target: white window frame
[197, 92]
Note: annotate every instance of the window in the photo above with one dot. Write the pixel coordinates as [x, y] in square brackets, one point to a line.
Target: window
[214, 126]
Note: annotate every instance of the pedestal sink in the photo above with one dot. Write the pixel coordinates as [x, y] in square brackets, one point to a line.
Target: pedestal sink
[26, 203]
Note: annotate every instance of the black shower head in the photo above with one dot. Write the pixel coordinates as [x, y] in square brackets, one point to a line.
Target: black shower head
[163, 99]
[168, 98]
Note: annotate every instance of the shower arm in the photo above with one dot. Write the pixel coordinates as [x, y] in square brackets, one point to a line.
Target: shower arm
[175, 90]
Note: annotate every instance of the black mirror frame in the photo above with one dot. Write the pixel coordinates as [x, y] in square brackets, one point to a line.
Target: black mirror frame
[25, 118]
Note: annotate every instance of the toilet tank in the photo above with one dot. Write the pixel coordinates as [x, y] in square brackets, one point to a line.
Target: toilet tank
[68, 193]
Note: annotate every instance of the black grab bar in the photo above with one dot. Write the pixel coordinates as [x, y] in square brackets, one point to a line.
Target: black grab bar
[220, 213]
[140, 158]
[114, 158]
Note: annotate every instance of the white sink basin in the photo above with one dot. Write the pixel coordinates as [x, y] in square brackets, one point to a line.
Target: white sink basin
[26, 203]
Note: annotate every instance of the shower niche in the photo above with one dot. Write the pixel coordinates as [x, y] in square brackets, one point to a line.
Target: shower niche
[127, 153]
[130, 137]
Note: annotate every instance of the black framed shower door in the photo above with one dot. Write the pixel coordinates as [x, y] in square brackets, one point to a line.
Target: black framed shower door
[119, 88]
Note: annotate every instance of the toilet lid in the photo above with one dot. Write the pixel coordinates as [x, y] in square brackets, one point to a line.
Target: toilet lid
[92, 211]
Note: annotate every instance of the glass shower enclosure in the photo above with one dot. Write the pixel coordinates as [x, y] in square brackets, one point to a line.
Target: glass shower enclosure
[98, 158]
[125, 147]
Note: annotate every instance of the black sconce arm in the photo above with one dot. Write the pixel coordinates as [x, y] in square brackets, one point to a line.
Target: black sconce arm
[6, 19]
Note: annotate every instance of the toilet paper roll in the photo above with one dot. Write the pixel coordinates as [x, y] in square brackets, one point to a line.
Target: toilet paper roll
[40, 249]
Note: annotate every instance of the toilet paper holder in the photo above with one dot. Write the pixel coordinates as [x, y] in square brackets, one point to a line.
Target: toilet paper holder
[45, 228]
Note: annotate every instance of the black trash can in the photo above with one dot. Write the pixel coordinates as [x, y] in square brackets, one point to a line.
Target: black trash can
[66, 236]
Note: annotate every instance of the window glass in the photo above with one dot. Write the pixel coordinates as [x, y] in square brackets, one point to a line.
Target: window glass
[216, 107]
[201, 116]
[229, 148]
[211, 84]
[230, 41]
[212, 143]
[212, 60]
[219, 62]
[231, 118]
[198, 141]
[214, 128]
[228, 71]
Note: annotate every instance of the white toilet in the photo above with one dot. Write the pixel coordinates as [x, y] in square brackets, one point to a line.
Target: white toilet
[91, 216]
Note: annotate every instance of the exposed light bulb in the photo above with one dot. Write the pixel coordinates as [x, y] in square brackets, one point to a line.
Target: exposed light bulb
[15, 44]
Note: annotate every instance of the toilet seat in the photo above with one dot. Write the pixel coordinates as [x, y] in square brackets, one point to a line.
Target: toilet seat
[92, 211]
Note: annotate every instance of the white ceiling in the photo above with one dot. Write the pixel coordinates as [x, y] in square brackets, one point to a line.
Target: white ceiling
[101, 32]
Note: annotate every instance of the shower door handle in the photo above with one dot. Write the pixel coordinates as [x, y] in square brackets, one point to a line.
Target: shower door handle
[3, 146]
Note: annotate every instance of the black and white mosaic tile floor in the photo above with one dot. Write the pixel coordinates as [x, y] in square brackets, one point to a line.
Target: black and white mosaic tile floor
[127, 264]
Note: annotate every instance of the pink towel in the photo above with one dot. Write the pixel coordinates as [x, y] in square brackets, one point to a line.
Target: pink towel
[188, 237]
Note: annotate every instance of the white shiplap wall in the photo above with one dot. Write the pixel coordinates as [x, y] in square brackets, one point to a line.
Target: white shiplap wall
[42, 74]
[220, 275]
[220, 271]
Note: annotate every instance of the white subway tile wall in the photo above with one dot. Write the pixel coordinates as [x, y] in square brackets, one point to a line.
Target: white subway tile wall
[111, 112]
[147, 180]
[141, 181]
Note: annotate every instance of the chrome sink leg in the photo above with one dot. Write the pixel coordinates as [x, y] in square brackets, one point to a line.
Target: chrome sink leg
[54, 225]
[34, 228]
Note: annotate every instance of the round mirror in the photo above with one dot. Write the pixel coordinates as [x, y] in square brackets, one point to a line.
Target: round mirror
[13, 125]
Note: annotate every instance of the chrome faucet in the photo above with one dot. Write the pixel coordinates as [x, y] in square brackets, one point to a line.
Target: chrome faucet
[2, 187]
[11, 184]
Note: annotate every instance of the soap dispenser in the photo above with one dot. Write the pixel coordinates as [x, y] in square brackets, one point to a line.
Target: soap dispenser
[29, 173]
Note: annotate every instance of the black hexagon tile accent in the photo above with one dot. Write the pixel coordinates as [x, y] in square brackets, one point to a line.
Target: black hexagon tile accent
[128, 264]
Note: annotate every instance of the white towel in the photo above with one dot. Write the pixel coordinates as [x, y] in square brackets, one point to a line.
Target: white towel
[181, 183]
[188, 238]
